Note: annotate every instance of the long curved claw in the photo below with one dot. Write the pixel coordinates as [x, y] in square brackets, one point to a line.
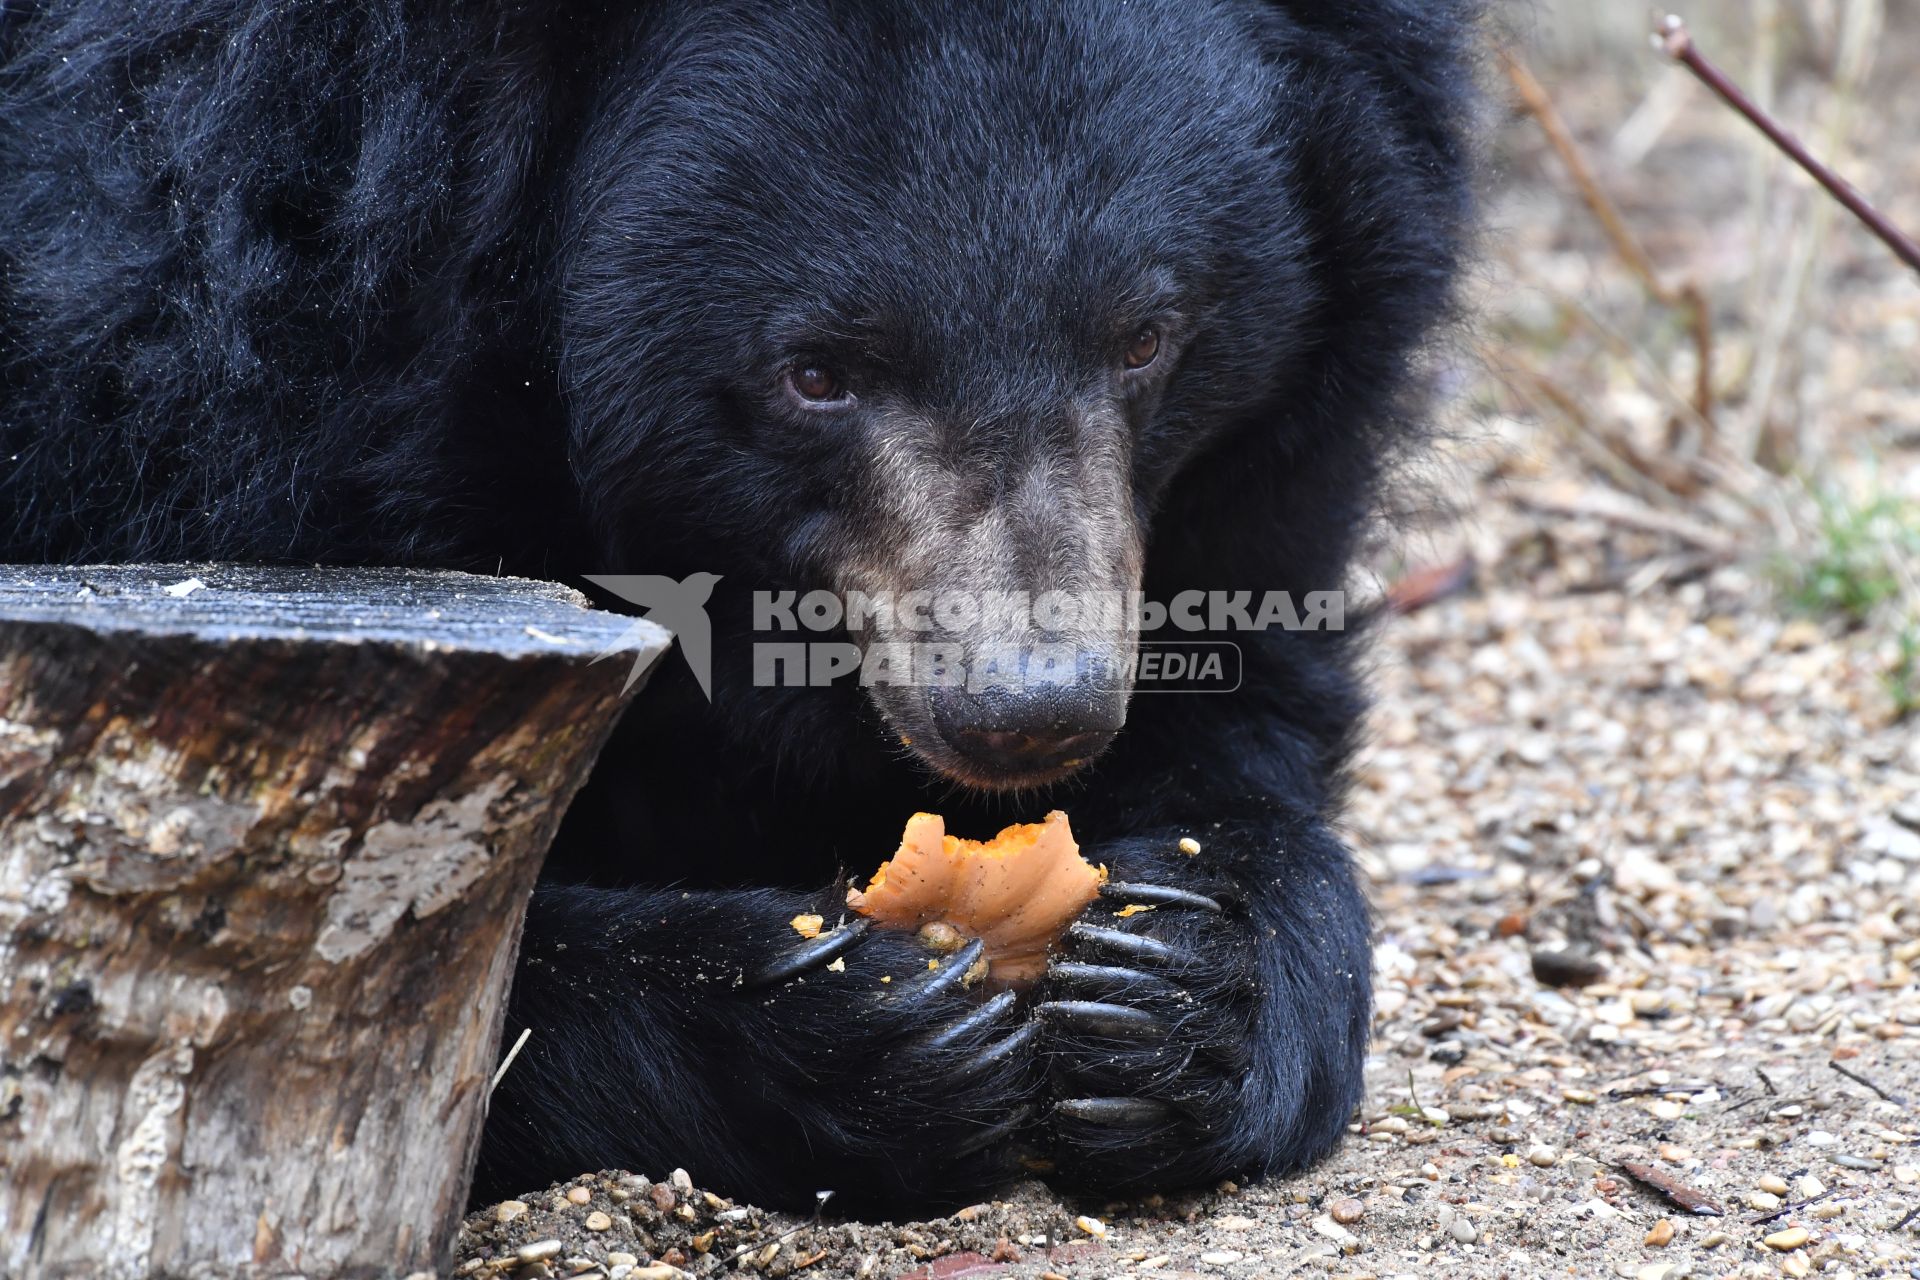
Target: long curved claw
[992, 1134]
[1020, 1039]
[1157, 895]
[1114, 1111]
[812, 954]
[1133, 946]
[1093, 1017]
[1111, 979]
[972, 1024]
[946, 973]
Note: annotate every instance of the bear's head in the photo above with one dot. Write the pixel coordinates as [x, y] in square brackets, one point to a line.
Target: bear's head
[930, 304]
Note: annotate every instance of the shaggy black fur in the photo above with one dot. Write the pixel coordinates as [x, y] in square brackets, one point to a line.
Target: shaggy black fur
[517, 286]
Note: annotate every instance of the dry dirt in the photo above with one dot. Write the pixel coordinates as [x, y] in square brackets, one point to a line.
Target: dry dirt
[1704, 799]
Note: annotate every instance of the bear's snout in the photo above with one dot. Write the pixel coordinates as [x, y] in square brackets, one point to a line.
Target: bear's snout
[1010, 737]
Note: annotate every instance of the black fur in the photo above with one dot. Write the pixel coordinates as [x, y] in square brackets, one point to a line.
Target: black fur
[505, 286]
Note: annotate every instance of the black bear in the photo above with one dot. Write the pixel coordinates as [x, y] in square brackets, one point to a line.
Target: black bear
[1012, 296]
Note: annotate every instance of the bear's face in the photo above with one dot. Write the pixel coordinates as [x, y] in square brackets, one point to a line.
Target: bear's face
[934, 311]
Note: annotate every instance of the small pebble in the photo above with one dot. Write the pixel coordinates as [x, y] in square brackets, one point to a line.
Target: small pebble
[1542, 1156]
[598, 1221]
[1807, 1187]
[621, 1259]
[1764, 1201]
[1666, 1110]
[1714, 1239]
[1791, 1238]
[1661, 1236]
[1773, 1185]
[538, 1251]
[1221, 1257]
[1567, 968]
[1463, 1230]
[1347, 1210]
[1091, 1226]
[579, 1195]
[508, 1210]
[1189, 846]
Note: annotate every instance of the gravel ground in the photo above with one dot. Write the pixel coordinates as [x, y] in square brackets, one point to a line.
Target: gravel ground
[1697, 807]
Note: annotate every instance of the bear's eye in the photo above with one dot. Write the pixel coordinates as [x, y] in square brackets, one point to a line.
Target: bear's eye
[1143, 349]
[816, 384]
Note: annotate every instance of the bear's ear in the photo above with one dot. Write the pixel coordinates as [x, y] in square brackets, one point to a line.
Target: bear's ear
[1418, 54]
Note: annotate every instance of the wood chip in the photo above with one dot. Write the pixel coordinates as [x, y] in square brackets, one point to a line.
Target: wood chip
[1689, 1198]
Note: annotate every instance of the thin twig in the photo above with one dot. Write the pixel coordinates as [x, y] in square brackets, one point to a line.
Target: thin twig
[526, 1033]
[1570, 416]
[1686, 297]
[1861, 1080]
[1620, 509]
[1674, 39]
[1539, 105]
[1786, 1209]
[1784, 326]
[1911, 1215]
[1774, 1103]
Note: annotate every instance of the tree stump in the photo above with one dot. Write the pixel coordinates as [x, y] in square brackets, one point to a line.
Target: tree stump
[265, 846]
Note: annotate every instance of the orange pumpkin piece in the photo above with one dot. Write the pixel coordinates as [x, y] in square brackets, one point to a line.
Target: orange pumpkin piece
[1017, 892]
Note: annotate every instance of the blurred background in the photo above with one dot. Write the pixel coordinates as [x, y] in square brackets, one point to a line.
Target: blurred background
[1678, 335]
[1640, 806]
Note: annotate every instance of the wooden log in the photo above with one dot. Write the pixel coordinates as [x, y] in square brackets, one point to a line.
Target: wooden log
[265, 846]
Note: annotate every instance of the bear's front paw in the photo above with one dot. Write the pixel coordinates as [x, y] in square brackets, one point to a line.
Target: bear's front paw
[909, 1084]
[1147, 1018]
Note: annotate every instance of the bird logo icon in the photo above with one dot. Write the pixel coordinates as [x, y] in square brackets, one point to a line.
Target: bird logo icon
[678, 605]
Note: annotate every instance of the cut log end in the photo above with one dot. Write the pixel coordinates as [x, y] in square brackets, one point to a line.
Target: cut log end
[266, 836]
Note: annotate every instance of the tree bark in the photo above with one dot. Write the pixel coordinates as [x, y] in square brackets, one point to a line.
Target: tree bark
[265, 845]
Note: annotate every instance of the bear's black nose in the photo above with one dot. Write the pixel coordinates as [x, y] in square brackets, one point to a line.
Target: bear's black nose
[1013, 735]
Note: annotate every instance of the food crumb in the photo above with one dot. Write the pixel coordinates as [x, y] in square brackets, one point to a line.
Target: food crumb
[807, 925]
